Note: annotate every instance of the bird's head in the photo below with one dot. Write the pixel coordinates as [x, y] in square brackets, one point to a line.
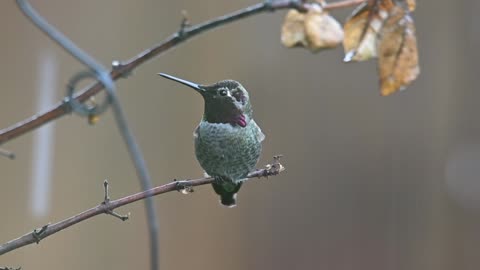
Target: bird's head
[225, 101]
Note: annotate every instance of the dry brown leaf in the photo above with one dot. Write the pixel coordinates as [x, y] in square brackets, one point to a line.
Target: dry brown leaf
[314, 29]
[397, 50]
[360, 35]
[293, 32]
[384, 30]
[385, 4]
[322, 30]
[389, 4]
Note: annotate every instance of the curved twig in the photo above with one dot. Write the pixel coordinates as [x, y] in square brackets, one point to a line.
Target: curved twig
[104, 78]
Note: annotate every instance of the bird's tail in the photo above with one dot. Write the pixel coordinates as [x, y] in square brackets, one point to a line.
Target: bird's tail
[228, 192]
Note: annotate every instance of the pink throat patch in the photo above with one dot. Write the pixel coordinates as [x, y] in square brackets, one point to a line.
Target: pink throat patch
[241, 121]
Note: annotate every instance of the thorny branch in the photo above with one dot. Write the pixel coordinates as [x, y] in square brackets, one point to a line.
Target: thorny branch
[123, 69]
[107, 206]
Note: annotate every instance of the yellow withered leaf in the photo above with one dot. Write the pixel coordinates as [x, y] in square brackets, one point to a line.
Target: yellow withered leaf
[412, 4]
[397, 51]
[93, 119]
[322, 30]
[360, 38]
[293, 32]
[389, 4]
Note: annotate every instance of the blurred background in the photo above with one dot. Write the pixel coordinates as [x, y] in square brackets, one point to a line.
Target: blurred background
[371, 182]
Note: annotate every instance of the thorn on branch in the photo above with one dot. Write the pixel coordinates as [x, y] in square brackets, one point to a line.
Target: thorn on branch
[183, 187]
[106, 203]
[184, 24]
[117, 215]
[38, 233]
[118, 67]
[106, 197]
[7, 154]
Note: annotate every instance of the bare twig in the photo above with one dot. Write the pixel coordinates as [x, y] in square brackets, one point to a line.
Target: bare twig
[47, 230]
[106, 81]
[106, 201]
[122, 69]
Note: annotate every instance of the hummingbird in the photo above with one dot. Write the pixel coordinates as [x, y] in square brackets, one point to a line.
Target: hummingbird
[228, 142]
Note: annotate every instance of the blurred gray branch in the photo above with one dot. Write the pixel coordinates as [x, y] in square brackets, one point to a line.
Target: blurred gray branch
[102, 75]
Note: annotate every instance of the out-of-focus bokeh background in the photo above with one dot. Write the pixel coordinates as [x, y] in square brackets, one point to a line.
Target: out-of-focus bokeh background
[371, 183]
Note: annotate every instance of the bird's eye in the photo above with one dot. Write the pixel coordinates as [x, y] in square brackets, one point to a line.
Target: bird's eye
[223, 92]
[239, 96]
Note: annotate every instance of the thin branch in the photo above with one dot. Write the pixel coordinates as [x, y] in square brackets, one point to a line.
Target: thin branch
[107, 208]
[123, 69]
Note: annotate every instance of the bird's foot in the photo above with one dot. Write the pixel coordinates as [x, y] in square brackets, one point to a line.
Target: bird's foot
[220, 180]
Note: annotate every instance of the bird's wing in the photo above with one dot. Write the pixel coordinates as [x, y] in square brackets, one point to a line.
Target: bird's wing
[196, 133]
[260, 135]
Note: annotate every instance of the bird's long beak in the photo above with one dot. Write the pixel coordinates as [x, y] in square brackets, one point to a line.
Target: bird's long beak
[195, 86]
